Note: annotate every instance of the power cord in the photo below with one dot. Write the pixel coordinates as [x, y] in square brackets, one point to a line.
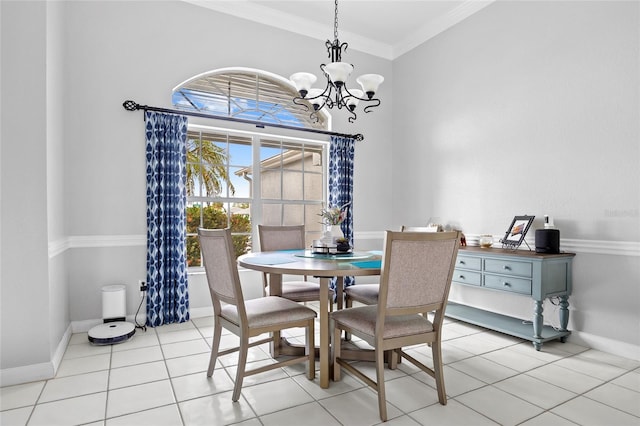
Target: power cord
[143, 327]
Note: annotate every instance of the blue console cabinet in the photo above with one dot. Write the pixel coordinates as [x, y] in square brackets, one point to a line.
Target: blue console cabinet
[527, 273]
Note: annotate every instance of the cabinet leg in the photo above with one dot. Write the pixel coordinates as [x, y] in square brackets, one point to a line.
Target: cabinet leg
[537, 319]
[564, 312]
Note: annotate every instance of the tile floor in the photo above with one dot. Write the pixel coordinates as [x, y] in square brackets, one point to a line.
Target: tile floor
[158, 378]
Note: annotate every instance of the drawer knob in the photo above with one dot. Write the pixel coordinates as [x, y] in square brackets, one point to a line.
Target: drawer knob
[506, 267]
[461, 262]
[505, 284]
[461, 277]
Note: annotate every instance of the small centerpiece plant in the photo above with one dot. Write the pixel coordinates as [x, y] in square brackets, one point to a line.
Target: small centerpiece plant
[334, 215]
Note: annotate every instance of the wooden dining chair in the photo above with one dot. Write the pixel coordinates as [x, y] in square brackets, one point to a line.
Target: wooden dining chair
[248, 318]
[367, 294]
[415, 277]
[291, 237]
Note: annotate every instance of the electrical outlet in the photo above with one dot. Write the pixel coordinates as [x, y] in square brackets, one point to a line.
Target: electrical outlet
[143, 287]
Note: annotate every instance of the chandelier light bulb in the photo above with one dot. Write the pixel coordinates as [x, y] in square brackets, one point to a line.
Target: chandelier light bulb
[370, 83]
[303, 82]
[352, 100]
[314, 99]
[338, 72]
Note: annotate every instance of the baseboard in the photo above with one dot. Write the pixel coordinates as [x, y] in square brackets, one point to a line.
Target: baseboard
[36, 372]
[603, 344]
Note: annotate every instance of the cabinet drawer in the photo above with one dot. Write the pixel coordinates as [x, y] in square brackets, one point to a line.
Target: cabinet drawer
[508, 267]
[469, 262]
[501, 282]
[466, 277]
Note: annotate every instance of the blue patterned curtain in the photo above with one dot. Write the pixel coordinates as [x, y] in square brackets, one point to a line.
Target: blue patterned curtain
[167, 295]
[341, 155]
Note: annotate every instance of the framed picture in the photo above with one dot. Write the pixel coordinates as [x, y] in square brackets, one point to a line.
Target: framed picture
[516, 232]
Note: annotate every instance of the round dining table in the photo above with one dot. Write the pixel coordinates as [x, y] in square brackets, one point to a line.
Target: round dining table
[324, 267]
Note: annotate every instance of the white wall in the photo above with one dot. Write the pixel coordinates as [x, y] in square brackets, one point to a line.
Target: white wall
[26, 340]
[532, 108]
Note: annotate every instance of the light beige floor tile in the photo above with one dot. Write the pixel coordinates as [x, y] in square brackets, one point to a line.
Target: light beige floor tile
[587, 412]
[565, 378]
[402, 421]
[630, 380]
[169, 415]
[409, 394]
[137, 374]
[618, 361]
[548, 419]
[20, 395]
[548, 352]
[358, 408]
[17, 416]
[79, 338]
[83, 365]
[346, 384]
[169, 328]
[215, 410]
[476, 344]
[141, 339]
[189, 365]
[275, 395]
[179, 336]
[311, 414]
[190, 347]
[535, 391]
[591, 367]
[516, 360]
[72, 411]
[483, 369]
[140, 397]
[85, 349]
[267, 376]
[452, 414]
[71, 386]
[618, 397]
[202, 322]
[136, 356]
[499, 406]
[455, 382]
[198, 385]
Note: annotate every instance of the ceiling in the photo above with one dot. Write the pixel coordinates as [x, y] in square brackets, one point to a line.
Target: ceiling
[384, 28]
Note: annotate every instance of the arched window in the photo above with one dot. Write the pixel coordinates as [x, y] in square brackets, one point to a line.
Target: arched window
[239, 178]
[248, 94]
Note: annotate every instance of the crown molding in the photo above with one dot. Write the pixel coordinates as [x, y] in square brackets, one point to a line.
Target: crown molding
[289, 22]
[438, 25]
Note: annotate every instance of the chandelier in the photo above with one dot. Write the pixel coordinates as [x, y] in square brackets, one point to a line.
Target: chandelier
[336, 93]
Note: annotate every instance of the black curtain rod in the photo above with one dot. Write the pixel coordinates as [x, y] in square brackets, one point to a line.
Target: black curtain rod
[134, 106]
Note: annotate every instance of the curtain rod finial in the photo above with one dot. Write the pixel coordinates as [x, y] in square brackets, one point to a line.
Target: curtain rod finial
[130, 105]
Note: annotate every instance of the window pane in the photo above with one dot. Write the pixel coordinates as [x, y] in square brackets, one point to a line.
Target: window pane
[292, 185]
[293, 214]
[271, 184]
[272, 214]
[312, 187]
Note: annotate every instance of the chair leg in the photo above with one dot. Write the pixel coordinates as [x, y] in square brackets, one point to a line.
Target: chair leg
[438, 371]
[217, 331]
[242, 364]
[382, 400]
[336, 337]
[311, 350]
[348, 303]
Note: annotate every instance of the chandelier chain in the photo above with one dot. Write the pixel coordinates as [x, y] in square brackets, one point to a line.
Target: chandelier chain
[335, 22]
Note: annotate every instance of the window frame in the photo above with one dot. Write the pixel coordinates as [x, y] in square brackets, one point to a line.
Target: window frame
[256, 202]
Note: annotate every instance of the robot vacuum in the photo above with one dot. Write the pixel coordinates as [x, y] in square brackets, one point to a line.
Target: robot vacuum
[114, 328]
[111, 332]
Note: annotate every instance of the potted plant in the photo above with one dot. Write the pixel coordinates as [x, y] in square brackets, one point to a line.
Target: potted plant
[342, 244]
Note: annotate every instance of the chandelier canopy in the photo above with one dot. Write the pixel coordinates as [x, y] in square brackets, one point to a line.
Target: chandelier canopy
[336, 93]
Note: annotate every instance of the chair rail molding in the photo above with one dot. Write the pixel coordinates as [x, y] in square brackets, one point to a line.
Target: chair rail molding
[618, 248]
